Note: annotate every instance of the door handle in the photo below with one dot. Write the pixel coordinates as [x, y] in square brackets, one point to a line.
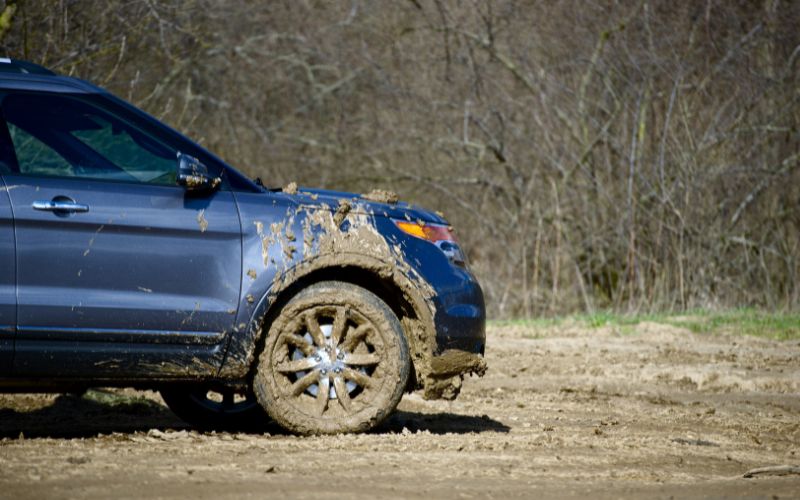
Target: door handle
[60, 204]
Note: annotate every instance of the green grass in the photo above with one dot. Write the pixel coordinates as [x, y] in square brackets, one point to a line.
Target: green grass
[758, 323]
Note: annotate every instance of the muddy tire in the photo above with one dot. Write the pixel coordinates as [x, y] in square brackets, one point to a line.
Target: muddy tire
[335, 360]
[215, 410]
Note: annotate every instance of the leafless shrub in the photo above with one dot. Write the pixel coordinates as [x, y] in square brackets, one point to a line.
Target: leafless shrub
[627, 155]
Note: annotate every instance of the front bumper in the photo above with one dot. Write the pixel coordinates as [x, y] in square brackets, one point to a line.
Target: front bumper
[460, 323]
[458, 314]
[460, 317]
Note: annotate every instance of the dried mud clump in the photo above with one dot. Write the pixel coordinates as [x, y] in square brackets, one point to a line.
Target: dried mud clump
[290, 188]
[447, 371]
[341, 212]
[381, 196]
[201, 221]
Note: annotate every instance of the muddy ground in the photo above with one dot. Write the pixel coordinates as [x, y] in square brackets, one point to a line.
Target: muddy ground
[564, 411]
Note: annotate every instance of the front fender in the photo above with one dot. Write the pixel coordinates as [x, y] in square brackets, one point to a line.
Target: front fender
[419, 330]
[303, 241]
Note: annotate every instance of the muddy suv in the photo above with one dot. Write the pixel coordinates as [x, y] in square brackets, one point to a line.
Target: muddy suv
[131, 256]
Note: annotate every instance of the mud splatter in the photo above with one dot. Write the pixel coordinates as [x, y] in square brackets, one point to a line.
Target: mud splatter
[454, 362]
[289, 233]
[265, 242]
[290, 188]
[201, 220]
[91, 241]
[251, 273]
[341, 212]
[447, 373]
[190, 316]
[192, 367]
[308, 238]
[381, 196]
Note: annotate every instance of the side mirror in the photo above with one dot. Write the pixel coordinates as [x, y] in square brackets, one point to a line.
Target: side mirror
[193, 175]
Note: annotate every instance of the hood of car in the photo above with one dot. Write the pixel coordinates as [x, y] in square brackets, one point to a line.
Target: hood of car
[375, 203]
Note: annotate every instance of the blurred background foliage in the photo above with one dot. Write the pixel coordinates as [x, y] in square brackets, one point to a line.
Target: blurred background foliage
[634, 156]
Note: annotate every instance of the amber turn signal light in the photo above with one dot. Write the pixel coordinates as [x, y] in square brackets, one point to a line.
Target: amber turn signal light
[427, 231]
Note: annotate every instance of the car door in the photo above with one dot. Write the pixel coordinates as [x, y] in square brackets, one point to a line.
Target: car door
[120, 271]
[8, 296]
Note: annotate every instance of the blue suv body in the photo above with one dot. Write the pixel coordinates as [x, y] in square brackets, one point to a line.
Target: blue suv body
[131, 256]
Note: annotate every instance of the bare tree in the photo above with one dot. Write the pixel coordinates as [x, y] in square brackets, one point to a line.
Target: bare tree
[634, 155]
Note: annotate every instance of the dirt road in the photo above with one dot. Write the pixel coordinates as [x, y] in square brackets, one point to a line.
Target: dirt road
[564, 411]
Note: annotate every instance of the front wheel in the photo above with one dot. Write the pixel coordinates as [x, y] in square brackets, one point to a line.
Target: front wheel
[335, 360]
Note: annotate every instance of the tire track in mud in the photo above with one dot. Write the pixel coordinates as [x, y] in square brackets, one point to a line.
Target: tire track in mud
[562, 412]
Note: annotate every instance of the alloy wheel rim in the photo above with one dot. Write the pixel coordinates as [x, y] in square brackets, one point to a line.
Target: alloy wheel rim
[329, 361]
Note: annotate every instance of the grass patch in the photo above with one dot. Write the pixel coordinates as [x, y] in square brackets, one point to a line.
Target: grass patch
[531, 322]
[754, 322]
[778, 326]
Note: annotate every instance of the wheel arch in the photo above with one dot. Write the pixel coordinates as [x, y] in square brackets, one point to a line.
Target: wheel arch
[404, 295]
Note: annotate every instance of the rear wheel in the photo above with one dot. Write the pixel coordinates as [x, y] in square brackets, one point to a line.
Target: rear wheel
[335, 360]
[215, 409]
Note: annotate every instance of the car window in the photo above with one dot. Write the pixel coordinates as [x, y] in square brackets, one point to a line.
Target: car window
[60, 135]
[34, 156]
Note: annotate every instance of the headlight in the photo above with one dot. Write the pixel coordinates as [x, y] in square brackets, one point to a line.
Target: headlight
[440, 235]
